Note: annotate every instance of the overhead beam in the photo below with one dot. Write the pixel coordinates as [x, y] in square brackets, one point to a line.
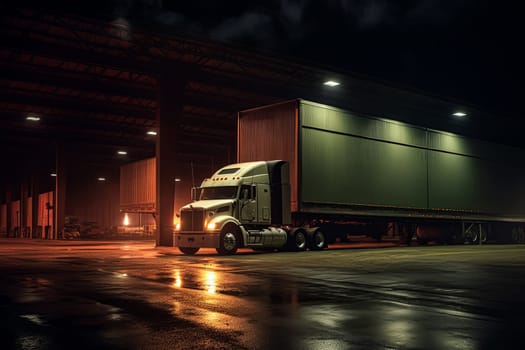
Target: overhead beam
[82, 106]
[79, 81]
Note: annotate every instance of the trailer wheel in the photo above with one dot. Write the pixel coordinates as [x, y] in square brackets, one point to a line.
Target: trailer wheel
[317, 240]
[189, 250]
[297, 240]
[229, 240]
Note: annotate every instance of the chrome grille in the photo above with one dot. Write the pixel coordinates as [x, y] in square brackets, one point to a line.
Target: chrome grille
[192, 220]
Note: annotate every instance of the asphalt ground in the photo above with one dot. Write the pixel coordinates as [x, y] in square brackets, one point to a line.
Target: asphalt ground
[133, 295]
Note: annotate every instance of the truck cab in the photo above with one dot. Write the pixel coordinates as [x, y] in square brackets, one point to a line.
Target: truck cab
[240, 205]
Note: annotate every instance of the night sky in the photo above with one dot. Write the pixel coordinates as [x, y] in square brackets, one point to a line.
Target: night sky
[468, 50]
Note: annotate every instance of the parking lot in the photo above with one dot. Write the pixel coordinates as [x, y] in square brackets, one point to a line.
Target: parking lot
[131, 295]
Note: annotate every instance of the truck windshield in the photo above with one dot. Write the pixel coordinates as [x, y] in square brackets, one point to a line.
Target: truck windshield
[224, 192]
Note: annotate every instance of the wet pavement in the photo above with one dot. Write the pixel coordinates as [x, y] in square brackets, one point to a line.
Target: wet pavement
[131, 295]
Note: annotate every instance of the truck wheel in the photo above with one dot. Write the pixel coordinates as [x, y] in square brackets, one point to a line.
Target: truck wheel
[317, 240]
[188, 250]
[229, 241]
[297, 240]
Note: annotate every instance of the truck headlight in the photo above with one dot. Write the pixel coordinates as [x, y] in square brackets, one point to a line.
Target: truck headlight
[211, 226]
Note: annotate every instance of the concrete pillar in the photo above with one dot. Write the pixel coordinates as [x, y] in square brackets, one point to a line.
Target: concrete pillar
[8, 199]
[59, 205]
[24, 210]
[171, 86]
[34, 207]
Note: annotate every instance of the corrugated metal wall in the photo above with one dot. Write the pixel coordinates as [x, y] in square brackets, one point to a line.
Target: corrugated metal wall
[45, 215]
[14, 213]
[268, 134]
[137, 186]
[97, 203]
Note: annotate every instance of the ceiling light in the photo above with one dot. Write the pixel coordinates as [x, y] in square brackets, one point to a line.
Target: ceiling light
[53, 174]
[460, 114]
[151, 132]
[33, 118]
[101, 179]
[177, 179]
[331, 83]
[122, 153]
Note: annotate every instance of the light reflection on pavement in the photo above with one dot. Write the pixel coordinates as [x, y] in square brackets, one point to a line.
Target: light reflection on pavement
[131, 295]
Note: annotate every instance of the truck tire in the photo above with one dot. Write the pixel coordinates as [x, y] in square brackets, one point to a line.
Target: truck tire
[317, 240]
[297, 240]
[229, 241]
[188, 250]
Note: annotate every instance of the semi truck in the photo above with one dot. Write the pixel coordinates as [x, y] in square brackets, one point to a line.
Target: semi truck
[307, 174]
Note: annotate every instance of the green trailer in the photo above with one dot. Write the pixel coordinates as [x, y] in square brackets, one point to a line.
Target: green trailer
[346, 167]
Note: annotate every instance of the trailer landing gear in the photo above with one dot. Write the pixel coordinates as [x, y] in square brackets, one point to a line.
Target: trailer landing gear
[474, 233]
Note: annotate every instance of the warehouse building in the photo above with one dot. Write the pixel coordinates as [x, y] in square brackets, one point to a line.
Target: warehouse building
[82, 97]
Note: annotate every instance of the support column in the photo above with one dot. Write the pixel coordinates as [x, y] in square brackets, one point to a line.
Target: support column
[170, 110]
[8, 199]
[34, 208]
[24, 210]
[59, 205]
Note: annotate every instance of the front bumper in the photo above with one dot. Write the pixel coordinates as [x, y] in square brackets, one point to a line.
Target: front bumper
[196, 239]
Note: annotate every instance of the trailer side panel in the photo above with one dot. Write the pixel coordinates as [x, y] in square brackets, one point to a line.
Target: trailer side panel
[137, 186]
[344, 163]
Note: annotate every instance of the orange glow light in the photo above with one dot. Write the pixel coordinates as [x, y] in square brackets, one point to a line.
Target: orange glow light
[126, 220]
[178, 281]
